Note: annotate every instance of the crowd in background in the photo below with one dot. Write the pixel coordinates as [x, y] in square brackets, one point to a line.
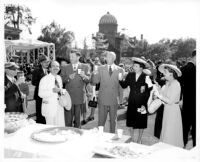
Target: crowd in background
[102, 81]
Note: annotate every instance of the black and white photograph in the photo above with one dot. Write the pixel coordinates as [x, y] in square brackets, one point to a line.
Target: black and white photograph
[100, 80]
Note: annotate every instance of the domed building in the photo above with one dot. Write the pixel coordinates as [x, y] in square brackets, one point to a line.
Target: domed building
[108, 38]
[108, 26]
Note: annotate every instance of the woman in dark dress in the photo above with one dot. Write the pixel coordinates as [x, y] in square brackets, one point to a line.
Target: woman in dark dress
[138, 97]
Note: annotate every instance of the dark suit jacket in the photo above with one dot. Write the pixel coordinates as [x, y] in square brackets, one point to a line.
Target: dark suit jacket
[36, 77]
[13, 98]
[76, 86]
[139, 91]
[188, 84]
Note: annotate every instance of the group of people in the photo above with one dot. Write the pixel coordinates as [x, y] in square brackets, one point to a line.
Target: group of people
[52, 81]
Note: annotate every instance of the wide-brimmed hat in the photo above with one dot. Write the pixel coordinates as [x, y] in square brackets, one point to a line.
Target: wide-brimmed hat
[173, 67]
[151, 63]
[147, 71]
[11, 66]
[140, 61]
[43, 58]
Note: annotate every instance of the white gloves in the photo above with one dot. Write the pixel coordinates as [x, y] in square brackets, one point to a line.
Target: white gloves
[148, 81]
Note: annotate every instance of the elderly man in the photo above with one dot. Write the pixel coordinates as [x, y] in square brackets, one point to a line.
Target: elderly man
[37, 74]
[50, 88]
[75, 76]
[13, 96]
[107, 76]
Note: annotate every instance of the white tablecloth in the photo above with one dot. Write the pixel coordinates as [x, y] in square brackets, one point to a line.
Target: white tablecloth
[82, 146]
[20, 144]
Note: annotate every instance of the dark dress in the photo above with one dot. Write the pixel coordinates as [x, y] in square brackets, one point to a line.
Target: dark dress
[139, 94]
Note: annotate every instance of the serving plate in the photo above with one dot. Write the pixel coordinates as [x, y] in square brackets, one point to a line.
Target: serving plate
[126, 151]
[14, 116]
[56, 134]
[14, 121]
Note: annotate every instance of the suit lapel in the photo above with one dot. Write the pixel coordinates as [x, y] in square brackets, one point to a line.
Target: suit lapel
[106, 71]
[80, 66]
[71, 68]
[138, 77]
[114, 69]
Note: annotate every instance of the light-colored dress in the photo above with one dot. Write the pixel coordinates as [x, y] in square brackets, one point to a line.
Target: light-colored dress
[172, 131]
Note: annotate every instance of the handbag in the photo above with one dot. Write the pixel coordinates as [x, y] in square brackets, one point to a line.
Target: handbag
[65, 101]
[92, 103]
[154, 105]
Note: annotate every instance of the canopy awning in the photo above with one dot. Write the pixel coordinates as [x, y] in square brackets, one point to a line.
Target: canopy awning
[28, 44]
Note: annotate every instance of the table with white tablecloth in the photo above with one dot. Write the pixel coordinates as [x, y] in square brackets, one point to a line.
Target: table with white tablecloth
[22, 142]
[21, 145]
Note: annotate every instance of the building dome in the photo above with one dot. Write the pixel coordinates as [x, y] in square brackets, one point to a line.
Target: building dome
[108, 19]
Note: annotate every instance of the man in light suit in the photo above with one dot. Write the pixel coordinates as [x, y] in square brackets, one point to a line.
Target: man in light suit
[75, 76]
[50, 87]
[107, 76]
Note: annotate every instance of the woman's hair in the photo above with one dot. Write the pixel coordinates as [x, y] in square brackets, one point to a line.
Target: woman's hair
[173, 72]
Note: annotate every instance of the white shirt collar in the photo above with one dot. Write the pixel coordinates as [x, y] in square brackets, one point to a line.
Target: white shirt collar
[52, 75]
[45, 70]
[75, 65]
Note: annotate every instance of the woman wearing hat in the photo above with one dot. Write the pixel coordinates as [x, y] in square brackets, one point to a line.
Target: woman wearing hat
[138, 97]
[172, 132]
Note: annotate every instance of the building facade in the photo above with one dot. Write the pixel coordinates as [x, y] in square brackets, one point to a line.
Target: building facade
[112, 40]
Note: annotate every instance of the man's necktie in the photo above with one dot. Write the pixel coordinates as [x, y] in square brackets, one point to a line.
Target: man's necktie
[57, 85]
[110, 70]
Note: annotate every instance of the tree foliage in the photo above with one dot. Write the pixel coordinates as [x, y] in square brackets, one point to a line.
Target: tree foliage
[165, 49]
[17, 16]
[62, 39]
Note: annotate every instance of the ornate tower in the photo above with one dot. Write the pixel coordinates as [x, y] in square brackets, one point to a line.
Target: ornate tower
[108, 26]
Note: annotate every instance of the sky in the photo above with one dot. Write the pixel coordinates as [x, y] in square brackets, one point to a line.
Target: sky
[154, 19]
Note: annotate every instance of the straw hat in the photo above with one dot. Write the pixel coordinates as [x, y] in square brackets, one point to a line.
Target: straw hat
[147, 71]
[173, 67]
[140, 61]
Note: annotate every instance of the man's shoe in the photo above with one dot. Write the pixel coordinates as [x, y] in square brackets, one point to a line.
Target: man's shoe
[83, 122]
[90, 119]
